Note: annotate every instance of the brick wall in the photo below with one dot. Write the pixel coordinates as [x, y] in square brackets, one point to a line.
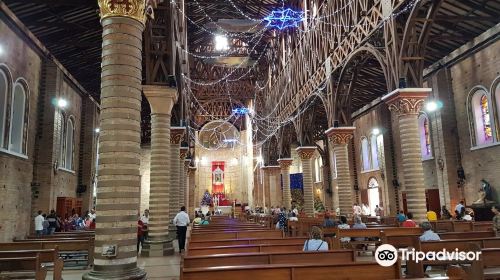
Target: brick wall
[479, 69]
[15, 172]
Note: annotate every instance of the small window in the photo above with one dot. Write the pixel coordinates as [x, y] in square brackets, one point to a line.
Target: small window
[481, 121]
[334, 165]
[497, 97]
[4, 89]
[425, 137]
[70, 131]
[365, 154]
[18, 119]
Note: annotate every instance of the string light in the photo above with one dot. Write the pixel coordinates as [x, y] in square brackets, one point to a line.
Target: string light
[282, 19]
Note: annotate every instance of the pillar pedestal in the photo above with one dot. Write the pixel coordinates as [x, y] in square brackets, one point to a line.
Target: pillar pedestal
[306, 153]
[340, 137]
[285, 164]
[405, 105]
[161, 100]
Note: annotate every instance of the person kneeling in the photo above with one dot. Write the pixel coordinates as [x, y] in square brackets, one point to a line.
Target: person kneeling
[315, 242]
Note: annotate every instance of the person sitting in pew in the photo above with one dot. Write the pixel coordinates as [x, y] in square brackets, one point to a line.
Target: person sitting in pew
[197, 219]
[496, 219]
[315, 241]
[467, 216]
[409, 222]
[293, 218]
[329, 222]
[204, 220]
[428, 234]
[431, 216]
[401, 217]
[344, 225]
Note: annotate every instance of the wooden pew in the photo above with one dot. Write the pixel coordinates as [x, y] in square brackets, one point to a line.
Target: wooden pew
[22, 268]
[217, 235]
[66, 247]
[325, 257]
[231, 242]
[266, 248]
[407, 240]
[490, 258]
[354, 271]
[45, 256]
[473, 244]
[372, 233]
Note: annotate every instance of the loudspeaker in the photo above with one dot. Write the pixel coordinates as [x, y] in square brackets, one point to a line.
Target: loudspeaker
[336, 123]
[356, 187]
[395, 183]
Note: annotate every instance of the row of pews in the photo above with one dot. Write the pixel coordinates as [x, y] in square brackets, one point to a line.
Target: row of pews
[32, 257]
[243, 249]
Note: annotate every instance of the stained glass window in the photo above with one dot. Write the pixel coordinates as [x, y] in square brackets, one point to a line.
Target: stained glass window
[427, 136]
[485, 115]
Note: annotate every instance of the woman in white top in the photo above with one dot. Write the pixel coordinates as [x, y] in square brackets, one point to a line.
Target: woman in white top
[293, 218]
[315, 242]
[344, 225]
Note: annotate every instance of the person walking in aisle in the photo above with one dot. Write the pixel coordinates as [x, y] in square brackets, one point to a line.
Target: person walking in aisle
[39, 224]
[181, 221]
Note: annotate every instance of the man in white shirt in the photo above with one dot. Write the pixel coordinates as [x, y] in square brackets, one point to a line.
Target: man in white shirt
[39, 224]
[181, 221]
[145, 221]
[92, 214]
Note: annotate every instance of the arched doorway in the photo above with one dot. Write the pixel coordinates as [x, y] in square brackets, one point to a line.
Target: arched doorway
[373, 195]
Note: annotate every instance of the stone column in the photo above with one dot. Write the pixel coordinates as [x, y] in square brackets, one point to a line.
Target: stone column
[182, 176]
[405, 105]
[118, 190]
[161, 100]
[285, 164]
[306, 153]
[176, 134]
[187, 162]
[274, 186]
[339, 138]
[192, 191]
[262, 190]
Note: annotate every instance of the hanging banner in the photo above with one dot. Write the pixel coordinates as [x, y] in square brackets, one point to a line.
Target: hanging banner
[217, 177]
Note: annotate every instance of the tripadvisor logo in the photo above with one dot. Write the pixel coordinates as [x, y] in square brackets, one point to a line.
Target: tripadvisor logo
[387, 255]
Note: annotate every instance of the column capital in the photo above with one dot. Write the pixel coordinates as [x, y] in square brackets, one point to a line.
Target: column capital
[161, 98]
[183, 153]
[285, 163]
[176, 133]
[306, 152]
[192, 168]
[340, 135]
[273, 167]
[406, 101]
[135, 9]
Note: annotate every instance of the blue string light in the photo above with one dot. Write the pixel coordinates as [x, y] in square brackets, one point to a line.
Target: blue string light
[240, 111]
[284, 18]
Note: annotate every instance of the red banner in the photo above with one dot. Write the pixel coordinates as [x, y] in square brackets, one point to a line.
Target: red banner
[217, 177]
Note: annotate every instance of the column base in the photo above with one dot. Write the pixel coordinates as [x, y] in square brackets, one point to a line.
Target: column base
[157, 248]
[129, 274]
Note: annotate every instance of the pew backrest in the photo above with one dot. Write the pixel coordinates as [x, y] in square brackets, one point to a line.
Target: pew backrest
[236, 235]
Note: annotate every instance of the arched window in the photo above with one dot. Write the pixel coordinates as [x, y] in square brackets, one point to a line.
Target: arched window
[425, 137]
[4, 90]
[374, 150]
[334, 165]
[69, 144]
[18, 120]
[480, 107]
[365, 154]
[497, 97]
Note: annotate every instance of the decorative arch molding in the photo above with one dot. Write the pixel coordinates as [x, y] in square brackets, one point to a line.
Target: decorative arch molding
[481, 124]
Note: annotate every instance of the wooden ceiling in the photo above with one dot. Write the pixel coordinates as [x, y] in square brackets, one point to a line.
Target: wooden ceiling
[71, 31]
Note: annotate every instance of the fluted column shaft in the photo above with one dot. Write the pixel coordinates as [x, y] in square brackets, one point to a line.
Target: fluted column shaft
[405, 105]
[339, 138]
[285, 164]
[182, 177]
[306, 154]
[118, 190]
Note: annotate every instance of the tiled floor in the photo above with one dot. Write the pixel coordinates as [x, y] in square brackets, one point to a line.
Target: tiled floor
[165, 268]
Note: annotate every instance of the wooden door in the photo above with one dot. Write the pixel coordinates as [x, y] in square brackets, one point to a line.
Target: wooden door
[364, 196]
[432, 201]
